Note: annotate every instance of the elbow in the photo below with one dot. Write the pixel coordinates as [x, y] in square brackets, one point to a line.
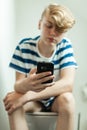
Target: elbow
[18, 89]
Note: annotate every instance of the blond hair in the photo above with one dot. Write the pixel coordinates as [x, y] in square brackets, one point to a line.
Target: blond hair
[62, 16]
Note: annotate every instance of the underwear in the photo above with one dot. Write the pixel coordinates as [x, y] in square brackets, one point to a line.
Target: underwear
[46, 104]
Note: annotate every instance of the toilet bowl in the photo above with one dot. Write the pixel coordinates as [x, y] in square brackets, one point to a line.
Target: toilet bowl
[41, 120]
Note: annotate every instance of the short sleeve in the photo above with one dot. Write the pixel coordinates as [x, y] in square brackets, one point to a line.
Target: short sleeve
[17, 61]
[66, 56]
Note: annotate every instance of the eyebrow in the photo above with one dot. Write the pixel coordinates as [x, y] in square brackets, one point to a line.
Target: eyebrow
[49, 22]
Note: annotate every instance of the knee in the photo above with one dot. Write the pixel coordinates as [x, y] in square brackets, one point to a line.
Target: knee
[66, 103]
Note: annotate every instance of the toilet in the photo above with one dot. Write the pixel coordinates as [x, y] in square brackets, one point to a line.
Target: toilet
[41, 120]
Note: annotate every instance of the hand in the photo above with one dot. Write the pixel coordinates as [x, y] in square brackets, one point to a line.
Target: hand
[34, 81]
[12, 102]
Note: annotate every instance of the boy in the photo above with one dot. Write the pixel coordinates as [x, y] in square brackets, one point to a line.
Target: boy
[30, 93]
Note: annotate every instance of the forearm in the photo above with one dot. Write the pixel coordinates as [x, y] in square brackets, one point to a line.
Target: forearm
[55, 90]
[21, 86]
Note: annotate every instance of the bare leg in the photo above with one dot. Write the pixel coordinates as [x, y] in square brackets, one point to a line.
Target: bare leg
[17, 119]
[65, 106]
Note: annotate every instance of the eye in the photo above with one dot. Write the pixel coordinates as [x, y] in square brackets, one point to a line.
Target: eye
[48, 25]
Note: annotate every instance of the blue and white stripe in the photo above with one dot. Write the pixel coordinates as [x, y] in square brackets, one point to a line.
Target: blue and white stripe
[26, 55]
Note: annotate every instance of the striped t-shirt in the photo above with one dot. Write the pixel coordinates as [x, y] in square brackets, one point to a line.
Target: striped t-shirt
[27, 55]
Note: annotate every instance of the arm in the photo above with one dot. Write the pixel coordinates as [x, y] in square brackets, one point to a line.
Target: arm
[64, 84]
[33, 82]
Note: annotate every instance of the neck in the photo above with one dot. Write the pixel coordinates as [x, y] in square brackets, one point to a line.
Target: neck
[45, 49]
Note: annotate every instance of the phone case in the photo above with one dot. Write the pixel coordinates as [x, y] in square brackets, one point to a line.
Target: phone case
[45, 66]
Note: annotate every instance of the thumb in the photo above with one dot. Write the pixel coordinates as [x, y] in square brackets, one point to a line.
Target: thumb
[32, 71]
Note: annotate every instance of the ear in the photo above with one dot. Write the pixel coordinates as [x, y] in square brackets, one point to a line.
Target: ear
[39, 25]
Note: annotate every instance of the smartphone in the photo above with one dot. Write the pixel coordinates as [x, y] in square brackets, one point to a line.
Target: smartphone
[45, 66]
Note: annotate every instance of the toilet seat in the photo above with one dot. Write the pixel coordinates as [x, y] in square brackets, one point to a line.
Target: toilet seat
[43, 113]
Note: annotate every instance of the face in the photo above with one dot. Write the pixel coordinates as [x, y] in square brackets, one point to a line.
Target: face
[49, 32]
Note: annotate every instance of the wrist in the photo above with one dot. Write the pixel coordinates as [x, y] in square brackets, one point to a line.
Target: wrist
[23, 99]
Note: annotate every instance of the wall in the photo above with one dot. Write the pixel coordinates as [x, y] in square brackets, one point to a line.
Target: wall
[7, 40]
[24, 23]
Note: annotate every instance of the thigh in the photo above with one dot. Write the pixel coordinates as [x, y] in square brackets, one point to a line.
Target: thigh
[64, 100]
[32, 106]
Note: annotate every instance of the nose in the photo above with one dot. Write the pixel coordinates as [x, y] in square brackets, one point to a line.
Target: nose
[53, 31]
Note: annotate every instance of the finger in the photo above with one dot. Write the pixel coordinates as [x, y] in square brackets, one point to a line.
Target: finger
[6, 101]
[7, 96]
[49, 84]
[11, 110]
[7, 107]
[43, 74]
[44, 79]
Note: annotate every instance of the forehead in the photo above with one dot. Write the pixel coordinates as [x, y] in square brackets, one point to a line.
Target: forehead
[48, 19]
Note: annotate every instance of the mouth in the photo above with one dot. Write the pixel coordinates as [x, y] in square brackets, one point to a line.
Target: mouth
[52, 40]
